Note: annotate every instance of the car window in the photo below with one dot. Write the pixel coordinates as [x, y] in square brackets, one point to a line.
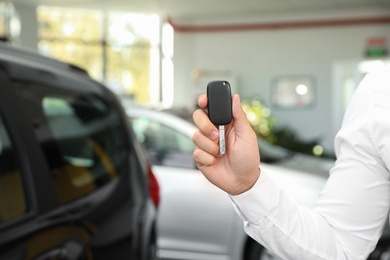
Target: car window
[164, 144]
[272, 153]
[81, 137]
[12, 200]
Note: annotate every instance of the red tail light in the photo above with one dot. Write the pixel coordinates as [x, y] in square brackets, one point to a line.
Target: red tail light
[154, 187]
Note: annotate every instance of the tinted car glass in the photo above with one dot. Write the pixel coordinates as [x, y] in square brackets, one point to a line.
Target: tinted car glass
[165, 145]
[272, 153]
[11, 181]
[80, 135]
[269, 153]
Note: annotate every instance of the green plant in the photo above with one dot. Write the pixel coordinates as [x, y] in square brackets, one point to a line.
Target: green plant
[266, 126]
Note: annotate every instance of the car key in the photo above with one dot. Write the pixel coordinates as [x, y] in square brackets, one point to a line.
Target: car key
[220, 108]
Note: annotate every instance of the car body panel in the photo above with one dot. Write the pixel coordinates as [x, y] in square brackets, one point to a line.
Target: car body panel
[182, 234]
[185, 229]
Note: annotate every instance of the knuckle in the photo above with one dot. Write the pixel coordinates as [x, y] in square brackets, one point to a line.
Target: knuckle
[196, 155]
[196, 115]
[195, 136]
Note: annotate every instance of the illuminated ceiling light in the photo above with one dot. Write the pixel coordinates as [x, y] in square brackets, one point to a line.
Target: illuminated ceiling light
[301, 89]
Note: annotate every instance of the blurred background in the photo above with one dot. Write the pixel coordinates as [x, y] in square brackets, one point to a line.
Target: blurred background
[295, 63]
[163, 53]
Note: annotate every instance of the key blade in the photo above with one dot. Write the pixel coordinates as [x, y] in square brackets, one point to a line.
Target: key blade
[222, 145]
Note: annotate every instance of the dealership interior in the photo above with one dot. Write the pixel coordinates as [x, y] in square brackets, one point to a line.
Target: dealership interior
[295, 64]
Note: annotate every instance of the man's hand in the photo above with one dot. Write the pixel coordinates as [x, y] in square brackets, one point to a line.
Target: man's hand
[236, 171]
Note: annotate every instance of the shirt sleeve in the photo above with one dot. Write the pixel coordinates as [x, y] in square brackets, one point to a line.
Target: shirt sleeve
[348, 218]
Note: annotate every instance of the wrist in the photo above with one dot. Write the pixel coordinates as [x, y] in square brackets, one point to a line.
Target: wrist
[249, 182]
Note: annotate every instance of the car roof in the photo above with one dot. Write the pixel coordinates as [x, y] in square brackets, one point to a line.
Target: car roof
[26, 65]
[14, 54]
[163, 117]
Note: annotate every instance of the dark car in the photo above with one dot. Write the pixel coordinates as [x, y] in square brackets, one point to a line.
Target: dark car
[74, 183]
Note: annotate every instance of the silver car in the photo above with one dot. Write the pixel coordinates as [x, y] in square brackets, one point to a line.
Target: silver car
[196, 219]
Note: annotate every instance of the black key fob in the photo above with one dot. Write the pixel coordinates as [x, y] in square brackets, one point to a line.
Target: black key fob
[219, 102]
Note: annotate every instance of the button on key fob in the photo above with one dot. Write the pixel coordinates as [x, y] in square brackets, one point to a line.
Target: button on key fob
[220, 108]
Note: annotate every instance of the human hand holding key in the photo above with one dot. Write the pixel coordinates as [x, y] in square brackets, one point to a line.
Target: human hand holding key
[238, 169]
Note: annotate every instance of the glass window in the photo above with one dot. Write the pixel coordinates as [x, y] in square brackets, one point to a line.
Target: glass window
[120, 49]
[73, 36]
[81, 136]
[165, 145]
[12, 200]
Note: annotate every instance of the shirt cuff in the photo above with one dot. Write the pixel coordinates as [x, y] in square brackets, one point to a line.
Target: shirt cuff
[257, 202]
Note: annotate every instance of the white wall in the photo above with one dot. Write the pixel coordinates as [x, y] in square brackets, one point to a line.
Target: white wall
[257, 56]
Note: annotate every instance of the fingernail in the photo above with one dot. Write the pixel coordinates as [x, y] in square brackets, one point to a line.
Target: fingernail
[214, 135]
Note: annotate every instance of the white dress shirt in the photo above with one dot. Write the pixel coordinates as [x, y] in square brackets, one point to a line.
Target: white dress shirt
[348, 218]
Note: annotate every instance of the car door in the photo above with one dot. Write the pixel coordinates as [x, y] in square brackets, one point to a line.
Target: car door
[29, 227]
[194, 216]
[80, 174]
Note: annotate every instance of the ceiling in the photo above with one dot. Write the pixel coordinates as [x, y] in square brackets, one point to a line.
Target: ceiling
[210, 8]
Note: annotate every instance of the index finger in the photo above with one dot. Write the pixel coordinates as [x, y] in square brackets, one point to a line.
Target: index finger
[202, 101]
[204, 124]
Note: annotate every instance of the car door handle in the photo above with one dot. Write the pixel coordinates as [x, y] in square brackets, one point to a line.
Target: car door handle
[70, 250]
